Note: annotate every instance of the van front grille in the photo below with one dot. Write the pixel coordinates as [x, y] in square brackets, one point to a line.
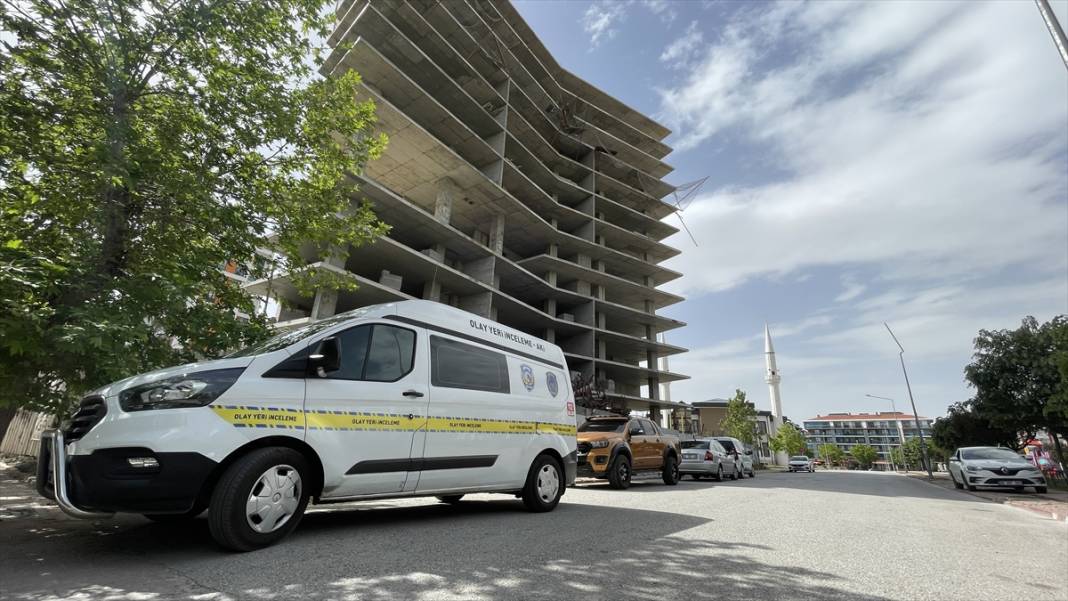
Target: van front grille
[89, 414]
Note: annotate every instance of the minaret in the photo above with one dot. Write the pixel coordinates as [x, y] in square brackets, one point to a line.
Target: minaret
[773, 378]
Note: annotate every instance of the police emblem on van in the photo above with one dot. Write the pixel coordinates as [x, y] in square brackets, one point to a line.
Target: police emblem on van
[551, 384]
[528, 376]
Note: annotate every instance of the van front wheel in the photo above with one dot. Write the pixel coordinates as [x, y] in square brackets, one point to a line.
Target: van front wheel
[545, 485]
[259, 499]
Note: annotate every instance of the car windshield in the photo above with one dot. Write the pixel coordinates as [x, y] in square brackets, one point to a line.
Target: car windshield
[991, 453]
[727, 445]
[603, 425]
[799, 458]
[292, 337]
[695, 444]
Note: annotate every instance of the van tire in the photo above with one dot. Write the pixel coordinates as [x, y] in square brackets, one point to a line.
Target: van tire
[670, 473]
[619, 472]
[227, 519]
[538, 493]
[450, 499]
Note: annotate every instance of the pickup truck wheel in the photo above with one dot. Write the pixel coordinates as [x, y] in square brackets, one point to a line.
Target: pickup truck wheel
[259, 499]
[670, 472]
[619, 472]
[545, 485]
[450, 499]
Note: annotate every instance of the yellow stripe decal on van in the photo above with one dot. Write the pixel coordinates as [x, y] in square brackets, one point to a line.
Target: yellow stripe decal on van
[270, 417]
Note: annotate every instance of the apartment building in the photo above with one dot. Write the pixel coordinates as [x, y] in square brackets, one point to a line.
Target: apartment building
[515, 190]
[882, 430]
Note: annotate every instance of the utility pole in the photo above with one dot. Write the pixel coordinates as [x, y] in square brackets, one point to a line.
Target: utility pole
[1054, 28]
[915, 414]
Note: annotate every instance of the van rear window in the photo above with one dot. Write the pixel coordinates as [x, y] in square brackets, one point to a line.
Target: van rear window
[457, 365]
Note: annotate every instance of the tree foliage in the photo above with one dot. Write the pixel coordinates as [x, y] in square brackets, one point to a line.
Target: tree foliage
[866, 455]
[142, 144]
[1018, 378]
[740, 420]
[964, 426]
[832, 454]
[790, 440]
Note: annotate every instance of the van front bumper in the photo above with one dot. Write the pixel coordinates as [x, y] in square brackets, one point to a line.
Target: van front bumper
[107, 481]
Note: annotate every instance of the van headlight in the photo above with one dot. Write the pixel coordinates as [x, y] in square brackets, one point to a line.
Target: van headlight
[194, 389]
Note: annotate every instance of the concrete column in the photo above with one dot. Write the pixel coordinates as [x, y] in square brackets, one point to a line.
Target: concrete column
[601, 321]
[550, 307]
[550, 335]
[496, 234]
[447, 193]
[654, 388]
[325, 304]
[553, 250]
[550, 277]
[432, 290]
[584, 260]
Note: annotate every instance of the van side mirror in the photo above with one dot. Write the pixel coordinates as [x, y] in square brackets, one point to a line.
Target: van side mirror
[325, 358]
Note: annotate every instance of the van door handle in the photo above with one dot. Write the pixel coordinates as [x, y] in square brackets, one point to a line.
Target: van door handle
[412, 393]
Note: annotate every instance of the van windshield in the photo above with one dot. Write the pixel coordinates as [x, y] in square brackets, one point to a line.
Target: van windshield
[291, 337]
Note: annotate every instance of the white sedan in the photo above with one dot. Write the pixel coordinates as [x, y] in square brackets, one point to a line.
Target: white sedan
[970, 467]
[800, 463]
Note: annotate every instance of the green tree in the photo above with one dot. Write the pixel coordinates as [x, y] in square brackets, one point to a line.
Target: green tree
[898, 457]
[789, 439]
[142, 144]
[1017, 378]
[864, 454]
[964, 426]
[740, 420]
[832, 454]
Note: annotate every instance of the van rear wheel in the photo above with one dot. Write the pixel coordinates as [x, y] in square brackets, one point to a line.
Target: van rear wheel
[259, 499]
[545, 485]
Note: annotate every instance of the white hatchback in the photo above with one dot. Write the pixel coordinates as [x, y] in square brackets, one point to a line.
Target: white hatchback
[800, 463]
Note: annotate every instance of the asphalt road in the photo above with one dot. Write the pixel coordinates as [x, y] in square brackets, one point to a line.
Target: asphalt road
[854, 536]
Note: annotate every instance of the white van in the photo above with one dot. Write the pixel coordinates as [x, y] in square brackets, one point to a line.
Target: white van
[413, 398]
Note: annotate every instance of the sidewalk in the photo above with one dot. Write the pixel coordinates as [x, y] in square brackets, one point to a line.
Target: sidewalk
[1053, 504]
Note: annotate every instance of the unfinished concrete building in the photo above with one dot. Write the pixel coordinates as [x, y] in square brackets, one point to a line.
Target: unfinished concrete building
[515, 190]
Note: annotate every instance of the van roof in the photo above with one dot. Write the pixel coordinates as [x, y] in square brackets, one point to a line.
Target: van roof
[464, 324]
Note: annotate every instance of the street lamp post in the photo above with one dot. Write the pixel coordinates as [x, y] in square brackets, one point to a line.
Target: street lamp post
[915, 414]
[900, 432]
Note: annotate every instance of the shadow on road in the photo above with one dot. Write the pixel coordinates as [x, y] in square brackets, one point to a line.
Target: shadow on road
[476, 550]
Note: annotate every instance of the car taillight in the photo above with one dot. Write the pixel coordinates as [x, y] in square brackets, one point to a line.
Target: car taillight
[709, 456]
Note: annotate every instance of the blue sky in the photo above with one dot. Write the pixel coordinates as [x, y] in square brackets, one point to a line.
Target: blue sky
[885, 161]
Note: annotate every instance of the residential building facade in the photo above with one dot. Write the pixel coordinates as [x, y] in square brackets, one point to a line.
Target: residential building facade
[882, 430]
[515, 190]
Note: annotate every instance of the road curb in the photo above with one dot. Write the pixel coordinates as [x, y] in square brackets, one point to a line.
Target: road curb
[1050, 515]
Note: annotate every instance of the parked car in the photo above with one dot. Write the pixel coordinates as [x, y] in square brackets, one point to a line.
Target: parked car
[971, 467]
[743, 457]
[614, 447]
[800, 463]
[405, 399]
[706, 457]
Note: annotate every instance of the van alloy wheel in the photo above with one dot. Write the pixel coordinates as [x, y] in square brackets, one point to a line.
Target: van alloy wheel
[273, 499]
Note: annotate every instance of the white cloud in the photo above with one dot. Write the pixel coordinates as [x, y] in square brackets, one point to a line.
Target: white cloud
[662, 9]
[910, 142]
[907, 146]
[601, 21]
[681, 51]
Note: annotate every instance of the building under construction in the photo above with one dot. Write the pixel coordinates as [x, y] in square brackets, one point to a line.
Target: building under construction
[515, 190]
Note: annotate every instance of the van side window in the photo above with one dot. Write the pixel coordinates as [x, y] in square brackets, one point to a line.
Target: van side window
[391, 353]
[379, 353]
[457, 365]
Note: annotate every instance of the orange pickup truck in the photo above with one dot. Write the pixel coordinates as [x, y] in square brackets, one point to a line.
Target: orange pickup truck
[614, 447]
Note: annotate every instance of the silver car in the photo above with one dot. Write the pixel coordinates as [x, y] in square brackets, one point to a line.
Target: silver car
[743, 457]
[706, 457]
[800, 463]
[970, 467]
